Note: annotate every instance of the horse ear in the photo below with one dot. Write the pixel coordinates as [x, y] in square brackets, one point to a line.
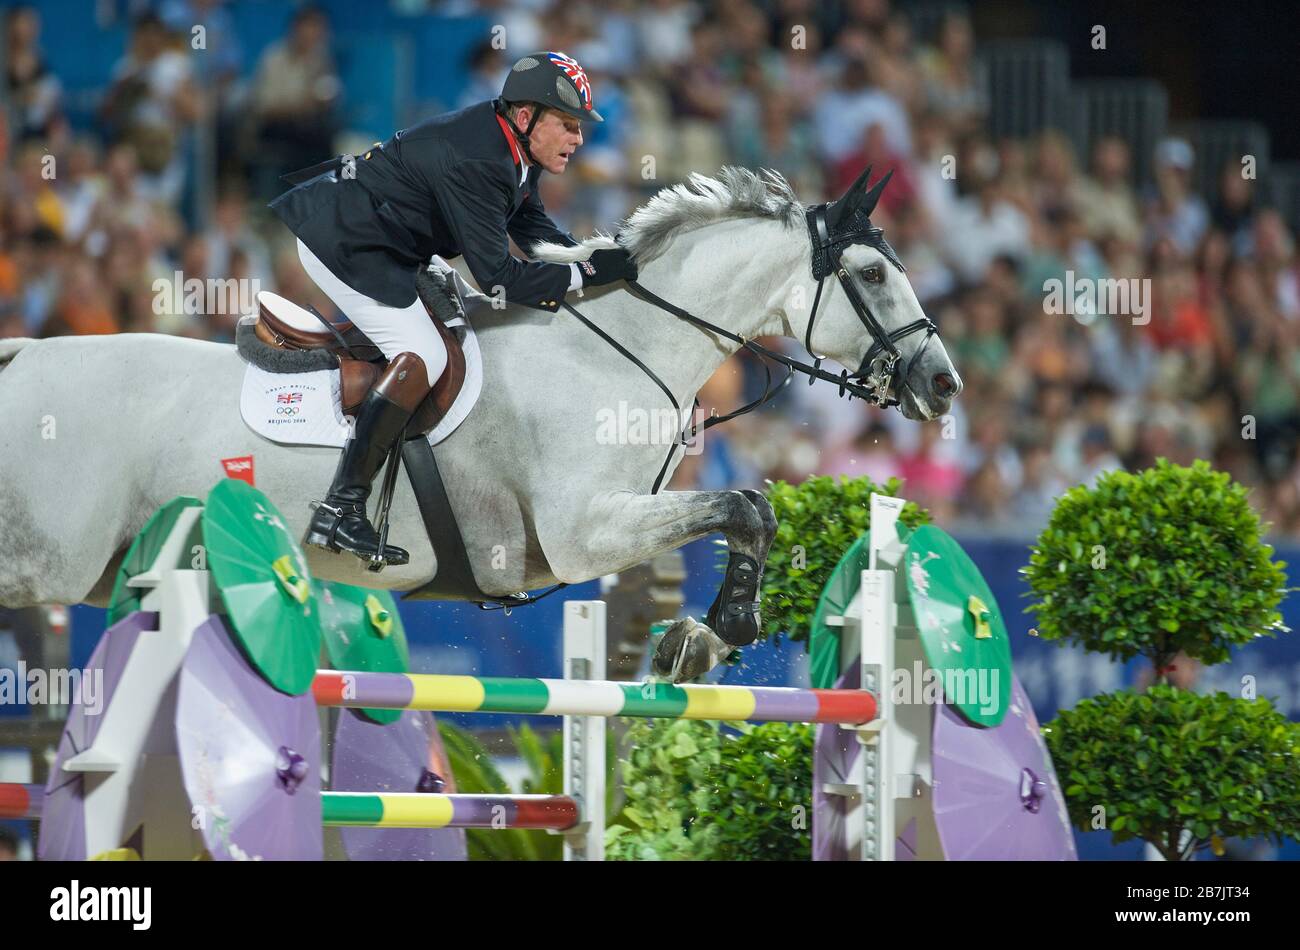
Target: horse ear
[869, 200]
[843, 207]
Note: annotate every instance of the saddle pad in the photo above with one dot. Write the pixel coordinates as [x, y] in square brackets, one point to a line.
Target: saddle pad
[304, 409]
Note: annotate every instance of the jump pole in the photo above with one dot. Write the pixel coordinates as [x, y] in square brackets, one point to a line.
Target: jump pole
[21, 801]
[424, 810]
[567, 697]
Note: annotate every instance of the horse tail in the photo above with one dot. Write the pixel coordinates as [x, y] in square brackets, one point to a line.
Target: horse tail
[9, 348]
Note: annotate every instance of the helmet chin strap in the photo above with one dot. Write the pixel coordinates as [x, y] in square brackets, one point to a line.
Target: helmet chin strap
[525, 142]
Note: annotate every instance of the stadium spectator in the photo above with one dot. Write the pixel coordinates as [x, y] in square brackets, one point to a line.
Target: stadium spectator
[293, 102]
[34, 92]
[151, 103]
[1175, 212]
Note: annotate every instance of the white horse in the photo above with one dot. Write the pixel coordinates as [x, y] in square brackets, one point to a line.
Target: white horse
[97, 432]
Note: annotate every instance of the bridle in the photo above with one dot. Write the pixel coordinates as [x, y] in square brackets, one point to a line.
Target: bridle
[878, 374]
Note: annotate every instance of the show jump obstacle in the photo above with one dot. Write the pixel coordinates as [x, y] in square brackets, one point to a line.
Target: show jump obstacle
[217, 630]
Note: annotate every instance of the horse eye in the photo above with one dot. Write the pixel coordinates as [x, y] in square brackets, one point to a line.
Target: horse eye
[873, 274]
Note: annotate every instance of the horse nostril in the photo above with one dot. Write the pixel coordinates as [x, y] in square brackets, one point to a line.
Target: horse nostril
[944, 385]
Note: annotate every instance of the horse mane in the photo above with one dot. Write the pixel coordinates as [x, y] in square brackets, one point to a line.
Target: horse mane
[700, 200]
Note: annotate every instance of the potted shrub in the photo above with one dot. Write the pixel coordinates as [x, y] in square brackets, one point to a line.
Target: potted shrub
[1163, 563]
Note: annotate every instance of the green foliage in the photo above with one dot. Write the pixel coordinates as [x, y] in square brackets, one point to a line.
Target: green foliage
[818, 520]
[697, 793]
[1152, 564]
[471, 763]
[1168, 760]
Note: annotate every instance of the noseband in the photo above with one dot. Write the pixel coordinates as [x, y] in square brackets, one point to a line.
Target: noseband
[879, 373]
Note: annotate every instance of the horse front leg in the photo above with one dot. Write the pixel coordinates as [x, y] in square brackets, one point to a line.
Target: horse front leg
[624, 529]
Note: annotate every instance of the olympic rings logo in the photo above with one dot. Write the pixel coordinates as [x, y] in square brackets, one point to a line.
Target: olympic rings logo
[287, 410]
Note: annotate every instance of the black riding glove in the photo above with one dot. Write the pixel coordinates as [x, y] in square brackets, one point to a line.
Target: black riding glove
[605, 267]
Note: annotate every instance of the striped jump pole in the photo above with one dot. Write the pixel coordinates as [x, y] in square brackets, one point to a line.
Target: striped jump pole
[421, 810]
[386, 809]
[552, 697]
[21, 801]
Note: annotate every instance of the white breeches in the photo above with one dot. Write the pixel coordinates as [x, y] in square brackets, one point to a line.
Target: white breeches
[393, 329]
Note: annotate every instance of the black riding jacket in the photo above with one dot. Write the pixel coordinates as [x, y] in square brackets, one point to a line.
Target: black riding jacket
[452, 185]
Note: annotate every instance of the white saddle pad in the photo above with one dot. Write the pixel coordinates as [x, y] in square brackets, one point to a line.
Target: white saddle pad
[304, 408]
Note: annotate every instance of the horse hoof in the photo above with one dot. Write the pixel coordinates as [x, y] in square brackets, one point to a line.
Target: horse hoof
[688, 650]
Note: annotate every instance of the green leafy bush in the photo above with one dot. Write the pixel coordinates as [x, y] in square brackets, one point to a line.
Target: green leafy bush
[1167, 560]
[1155, 765]
[698, 793]
[818, 520]
[471, 763]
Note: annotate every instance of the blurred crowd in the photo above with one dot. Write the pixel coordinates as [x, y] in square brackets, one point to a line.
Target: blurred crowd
[815, 90]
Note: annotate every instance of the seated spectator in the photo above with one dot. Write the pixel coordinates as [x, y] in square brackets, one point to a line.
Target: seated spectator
[79, 187]
[846, 111]
[983, 351]
[870, 453]
[803, 75]
[123, 204]
[151, 102]
[932, 474]
[1106, 199]
[1274, 248]
[33, 186]
[1054, 180]
[34, 92]
[1175, 212]
[1234, 207]
[986, 495]
[698, 88]
[294, 98]
[779, 142]
[956, 85]
[232, 234]
[874, 151]
[1178, 318]
[665, 29]
[984, 227]
[83, 307]
[1042, 485]
[899, 73]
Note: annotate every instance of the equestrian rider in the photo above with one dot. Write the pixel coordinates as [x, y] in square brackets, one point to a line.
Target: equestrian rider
[459, 183]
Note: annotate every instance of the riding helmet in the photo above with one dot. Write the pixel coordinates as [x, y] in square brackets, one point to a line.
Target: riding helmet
[554, 80]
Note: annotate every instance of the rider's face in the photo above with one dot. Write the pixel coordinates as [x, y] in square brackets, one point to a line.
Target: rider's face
[554, 139]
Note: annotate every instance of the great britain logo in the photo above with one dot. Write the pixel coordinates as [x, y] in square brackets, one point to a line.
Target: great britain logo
[575, 73]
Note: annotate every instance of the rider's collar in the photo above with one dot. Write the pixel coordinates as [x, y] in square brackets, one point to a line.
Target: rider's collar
[515, 139]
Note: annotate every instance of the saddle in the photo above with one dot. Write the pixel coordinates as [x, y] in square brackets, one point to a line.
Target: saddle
[283, 325]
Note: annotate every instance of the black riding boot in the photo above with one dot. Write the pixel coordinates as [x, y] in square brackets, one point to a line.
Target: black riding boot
[340, 522]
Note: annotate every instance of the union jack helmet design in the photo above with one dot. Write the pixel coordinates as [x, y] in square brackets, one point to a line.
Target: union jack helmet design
[575, 73]
[555, 80]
